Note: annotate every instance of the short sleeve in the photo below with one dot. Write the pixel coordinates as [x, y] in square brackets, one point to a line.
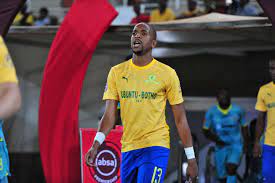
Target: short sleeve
[110, 88]
[207, 120]
[173, 90]
[7, 70]
[260, 104]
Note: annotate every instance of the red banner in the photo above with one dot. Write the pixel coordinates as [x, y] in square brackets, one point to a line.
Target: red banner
[107, 160]
[64, 73]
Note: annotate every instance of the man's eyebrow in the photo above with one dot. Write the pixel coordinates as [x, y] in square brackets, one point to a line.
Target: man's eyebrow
[145, 30]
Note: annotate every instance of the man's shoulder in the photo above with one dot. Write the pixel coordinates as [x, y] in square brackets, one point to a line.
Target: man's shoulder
[212, 109]
[267, 86]
[1, 40]
[237, 108]
[121, 66]
[164, 67]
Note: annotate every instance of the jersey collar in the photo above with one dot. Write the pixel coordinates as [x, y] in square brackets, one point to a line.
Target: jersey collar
[224, 111]
[143, 67]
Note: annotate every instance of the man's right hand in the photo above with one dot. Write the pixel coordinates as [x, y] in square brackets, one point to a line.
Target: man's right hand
[90, 155]
[219, 142]
[257, 150]
[192, 170]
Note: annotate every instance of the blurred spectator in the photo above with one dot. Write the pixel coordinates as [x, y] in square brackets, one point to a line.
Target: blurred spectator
[225, 125]
[140, 17]
[24, 17]
[210, 6]
[43, 18]
[244, 8]
[192, 10]
[163, 13]
[233, 7]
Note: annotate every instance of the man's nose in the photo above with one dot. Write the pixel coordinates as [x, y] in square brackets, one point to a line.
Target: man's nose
[137, 35]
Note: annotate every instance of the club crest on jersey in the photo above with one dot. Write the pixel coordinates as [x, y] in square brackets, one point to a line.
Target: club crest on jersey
[152, 79]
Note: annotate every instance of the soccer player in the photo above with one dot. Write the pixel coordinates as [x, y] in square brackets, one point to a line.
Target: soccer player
[223, 125]
[266, 105]
[10, 101]
[142, 85]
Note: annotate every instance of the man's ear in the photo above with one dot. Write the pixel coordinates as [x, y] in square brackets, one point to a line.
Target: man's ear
[154, 43]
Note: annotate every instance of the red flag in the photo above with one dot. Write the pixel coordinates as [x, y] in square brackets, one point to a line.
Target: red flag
[66, 66]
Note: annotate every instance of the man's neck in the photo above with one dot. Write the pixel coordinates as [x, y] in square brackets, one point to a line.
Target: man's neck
[142, 60]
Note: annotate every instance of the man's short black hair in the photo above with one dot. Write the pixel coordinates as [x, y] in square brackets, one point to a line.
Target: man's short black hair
[223, 91]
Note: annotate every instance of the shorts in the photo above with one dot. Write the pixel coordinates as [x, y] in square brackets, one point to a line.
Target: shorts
[227, 154]
[268, 164]
[4, 179]
[144, 165]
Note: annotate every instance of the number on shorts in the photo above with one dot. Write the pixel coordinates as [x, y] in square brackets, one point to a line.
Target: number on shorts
[157, 175]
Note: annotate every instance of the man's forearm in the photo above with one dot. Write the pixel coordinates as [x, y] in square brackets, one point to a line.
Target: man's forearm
[106, 124]
[10, 100]
[245, 134]
[184, 131]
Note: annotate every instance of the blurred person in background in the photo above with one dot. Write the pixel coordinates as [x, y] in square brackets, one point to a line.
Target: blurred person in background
[43, 19]
[24, 17]
[192, 10]
[245, 8]
[139, 17]
[266, 107]
[162, 14]
[225, 125]
[10, 102]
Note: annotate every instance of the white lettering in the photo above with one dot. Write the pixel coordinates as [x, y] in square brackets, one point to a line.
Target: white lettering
[103, 162]
[100, 180]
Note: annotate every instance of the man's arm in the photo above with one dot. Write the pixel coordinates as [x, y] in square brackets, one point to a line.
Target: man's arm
[185, 136]
[259, 132]
[213, 137]
[10, 99]
[107, 123]
[245, 137]
[182, 124]
[108, 119]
